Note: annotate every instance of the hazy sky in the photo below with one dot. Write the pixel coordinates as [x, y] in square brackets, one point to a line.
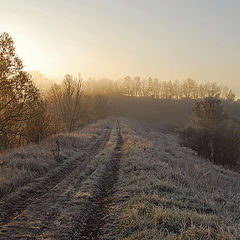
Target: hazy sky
[168, 39]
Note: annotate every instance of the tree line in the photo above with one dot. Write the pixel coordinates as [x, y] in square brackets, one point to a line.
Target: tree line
[176, 90]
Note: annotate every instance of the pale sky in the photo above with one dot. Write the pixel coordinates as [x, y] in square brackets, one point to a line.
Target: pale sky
[168, 39]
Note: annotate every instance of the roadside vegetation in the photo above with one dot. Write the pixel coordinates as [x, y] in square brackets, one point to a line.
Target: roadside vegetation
[22, 165]
[165, 191]
[212, 134]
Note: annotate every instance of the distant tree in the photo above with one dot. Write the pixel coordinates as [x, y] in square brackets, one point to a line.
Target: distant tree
[89, 85]
[137, 83]
[144, 91]
[164, 93]
[201, 91]
[127, 84]
[177, 90]
[189, 88]
[150, 87]
[155, 88]
[41, 82]
[230, 96]
[170, 90]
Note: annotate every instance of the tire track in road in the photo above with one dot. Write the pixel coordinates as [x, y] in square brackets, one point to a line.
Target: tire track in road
[99, 204]
[13, 211]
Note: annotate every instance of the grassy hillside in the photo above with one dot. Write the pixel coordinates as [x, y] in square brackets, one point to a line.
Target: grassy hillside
[166, 192]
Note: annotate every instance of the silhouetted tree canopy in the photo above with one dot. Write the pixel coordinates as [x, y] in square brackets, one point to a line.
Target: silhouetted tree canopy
[18, 95]
[176, 90]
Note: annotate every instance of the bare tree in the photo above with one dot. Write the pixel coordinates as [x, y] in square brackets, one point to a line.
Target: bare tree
[66, 104]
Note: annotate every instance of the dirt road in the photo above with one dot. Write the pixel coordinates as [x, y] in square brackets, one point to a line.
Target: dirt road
[71, 202]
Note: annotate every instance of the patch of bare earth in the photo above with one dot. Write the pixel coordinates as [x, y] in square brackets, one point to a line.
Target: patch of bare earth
[102, 188]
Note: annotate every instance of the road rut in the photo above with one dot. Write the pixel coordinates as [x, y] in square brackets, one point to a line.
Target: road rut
[72, 204]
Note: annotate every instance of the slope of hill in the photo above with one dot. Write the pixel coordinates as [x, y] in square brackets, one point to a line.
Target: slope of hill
[121, 179]
[165, 191]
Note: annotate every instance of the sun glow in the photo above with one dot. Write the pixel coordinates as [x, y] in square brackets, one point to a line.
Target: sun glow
[118, 38]
[32, 55]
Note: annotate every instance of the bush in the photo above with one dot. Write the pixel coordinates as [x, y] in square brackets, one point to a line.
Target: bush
[211, 134]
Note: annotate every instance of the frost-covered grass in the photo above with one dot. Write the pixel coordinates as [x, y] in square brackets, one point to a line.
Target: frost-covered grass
[22, 165]
[166, 192]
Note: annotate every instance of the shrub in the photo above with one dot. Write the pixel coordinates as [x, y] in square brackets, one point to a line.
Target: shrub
[211, 134]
